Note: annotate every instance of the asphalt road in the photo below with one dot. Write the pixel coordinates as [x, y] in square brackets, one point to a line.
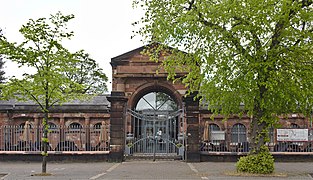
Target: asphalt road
[145, 170]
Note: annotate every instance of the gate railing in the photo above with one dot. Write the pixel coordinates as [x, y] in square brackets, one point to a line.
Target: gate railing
[154, 132]
[150, 145]
[61, 138]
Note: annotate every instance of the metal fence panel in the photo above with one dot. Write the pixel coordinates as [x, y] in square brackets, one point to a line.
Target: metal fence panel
[61, 138]
[301, 142]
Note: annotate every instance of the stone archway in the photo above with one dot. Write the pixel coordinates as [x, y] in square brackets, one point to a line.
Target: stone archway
[155, 86]
[134, 76]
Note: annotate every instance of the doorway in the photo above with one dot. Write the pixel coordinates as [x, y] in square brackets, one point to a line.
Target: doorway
[156, 123]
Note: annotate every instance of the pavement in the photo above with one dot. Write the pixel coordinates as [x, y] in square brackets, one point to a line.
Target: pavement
[146, 170]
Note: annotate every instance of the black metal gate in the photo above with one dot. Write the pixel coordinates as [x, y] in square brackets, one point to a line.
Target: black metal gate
[155, 132]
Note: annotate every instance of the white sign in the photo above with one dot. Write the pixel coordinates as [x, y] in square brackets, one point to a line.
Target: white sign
[217, 135]
[292, 134]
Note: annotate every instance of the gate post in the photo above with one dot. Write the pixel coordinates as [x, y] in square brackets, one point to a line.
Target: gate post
[117, 125]
[192, 120]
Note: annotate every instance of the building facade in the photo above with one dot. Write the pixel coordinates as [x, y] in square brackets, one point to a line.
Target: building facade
[144, 114]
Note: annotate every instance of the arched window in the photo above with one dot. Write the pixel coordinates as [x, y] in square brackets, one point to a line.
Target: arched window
[75, 126]
[52, 125]
[22, 125]
[156, 101]
[214, 127]
[97, 126]
[154, 111]
[238, 133]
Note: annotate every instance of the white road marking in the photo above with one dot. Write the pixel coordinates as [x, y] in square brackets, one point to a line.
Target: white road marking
[98, 175]
[195, 170]
[113, 167]
[102, 174]
[5, 176]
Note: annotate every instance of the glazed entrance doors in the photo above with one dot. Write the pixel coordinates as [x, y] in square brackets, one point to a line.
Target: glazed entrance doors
[155, 126]
[155, 132]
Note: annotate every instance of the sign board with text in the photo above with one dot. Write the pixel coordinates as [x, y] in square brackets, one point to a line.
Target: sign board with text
[292, 135]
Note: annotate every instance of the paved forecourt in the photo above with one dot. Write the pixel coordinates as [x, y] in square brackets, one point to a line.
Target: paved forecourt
[144, 170]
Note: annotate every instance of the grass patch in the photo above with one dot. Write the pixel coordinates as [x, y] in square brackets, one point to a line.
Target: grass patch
[42, 174]
[244, 174]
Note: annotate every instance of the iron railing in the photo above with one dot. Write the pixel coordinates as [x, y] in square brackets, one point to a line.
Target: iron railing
[97, 138]
[283, 146]
[238, 141]
[61, 138]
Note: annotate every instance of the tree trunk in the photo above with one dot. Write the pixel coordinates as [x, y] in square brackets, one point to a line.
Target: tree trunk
[259, 125]
[258, 131]
[45, 143]
[257, 137]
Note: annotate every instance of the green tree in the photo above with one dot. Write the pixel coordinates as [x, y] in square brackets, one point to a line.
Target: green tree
[163, 99]
[2, 78]
[256, 53]
[50, 84]
[88, 73]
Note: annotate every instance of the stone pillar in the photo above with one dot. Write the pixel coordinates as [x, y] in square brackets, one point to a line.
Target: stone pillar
[193, 133]
[62, 128]
[37, 129]
[8, 126]
[7, 120]
[87, 130]
[117, 125]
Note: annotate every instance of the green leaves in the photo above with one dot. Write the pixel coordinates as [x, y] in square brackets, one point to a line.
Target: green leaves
[262, 163]
[87, 73]
[59, 75]
[243, 57]
[2, 78]
[251, 53]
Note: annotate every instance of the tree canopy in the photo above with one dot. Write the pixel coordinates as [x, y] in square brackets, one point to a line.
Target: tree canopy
[253, 53]
[2, 78]
[58, 72]
[59, 75]
[88, 73]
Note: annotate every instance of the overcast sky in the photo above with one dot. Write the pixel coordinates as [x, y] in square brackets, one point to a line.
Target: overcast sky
[101, 27]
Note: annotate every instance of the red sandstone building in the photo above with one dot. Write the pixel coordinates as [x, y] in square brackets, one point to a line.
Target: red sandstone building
[144, 114]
